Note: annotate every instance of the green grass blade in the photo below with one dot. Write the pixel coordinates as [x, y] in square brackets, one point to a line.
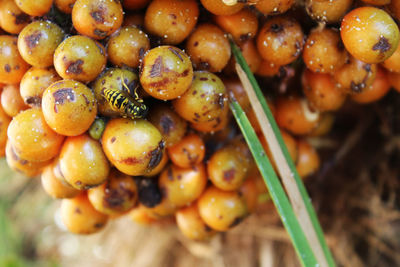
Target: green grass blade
[275, 189]
[310, 210]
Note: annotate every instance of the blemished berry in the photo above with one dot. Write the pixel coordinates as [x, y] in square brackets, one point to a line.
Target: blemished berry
[97, 18]
[38, 41]
[166, 72]
[171, 20]
[369, 34]
[280, 40]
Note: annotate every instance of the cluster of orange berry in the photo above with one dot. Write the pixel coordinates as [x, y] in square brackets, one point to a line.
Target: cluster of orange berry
[122, 106]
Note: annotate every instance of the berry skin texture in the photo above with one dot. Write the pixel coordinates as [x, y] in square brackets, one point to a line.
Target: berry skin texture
[31, 137]
[208, 48]
[308, 161]
[321, 91]
[227, 168]
[355, 76]
[79, 216]
[69, 107]
[192, 225]
[54, 187]
[83, 163]
[134, 147]
[171, 20]
[28, 168]
[280, 41]
[11, 100]
[33, 84]
[294, 114]
[127, 47]
[378, 89]
[79, 58]
[12, 19]
[34, 8]
[369, 34]
[181, 186]
[38, 41]
[242, 25]
[222, 210]
[166, 72]
[190, 150]
[12, 65]
[204, 101]
[218, 7]
[97, 18]
[324, 51]
[171, 125]
[117, 195]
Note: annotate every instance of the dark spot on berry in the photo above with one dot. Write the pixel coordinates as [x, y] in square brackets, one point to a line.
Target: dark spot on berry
[74, 67]
[35, 101]
[98, 15]
[156, 155]
[203, 79]
[131, 161]
[176, 53]
[113, 139]
[367, 67]
[276, 28]
[7, 68]
[229, 174]
[192, 158]
[149, 193]
[184, 73]
[33, 39]
[382, 45]
[62, 96]
[157, 67]
[86, 99]
[115, 197]
[195, 43]
[167, 124]
[78, 210]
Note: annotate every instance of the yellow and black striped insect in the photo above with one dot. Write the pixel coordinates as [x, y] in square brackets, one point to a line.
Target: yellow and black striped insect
[126, 101]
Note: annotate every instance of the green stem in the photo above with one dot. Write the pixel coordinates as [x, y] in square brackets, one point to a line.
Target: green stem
[275, 189]
[310, 210]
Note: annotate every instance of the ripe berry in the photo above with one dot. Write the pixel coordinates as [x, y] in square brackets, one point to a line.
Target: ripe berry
[369, 34]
